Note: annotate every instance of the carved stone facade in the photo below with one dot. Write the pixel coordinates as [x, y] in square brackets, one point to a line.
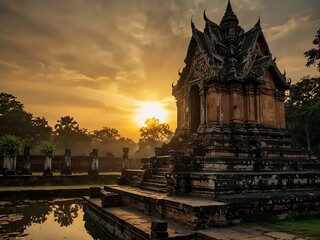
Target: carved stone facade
[230, 87]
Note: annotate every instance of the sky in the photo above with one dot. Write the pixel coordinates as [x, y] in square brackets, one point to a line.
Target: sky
[99, 61]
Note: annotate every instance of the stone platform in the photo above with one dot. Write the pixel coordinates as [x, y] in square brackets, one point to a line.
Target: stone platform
[128, 213]
[202, 213]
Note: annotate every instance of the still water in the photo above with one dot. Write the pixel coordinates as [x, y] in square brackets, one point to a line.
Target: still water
[45, 219]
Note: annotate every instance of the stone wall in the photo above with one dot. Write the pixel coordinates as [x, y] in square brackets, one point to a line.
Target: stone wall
[78, 163]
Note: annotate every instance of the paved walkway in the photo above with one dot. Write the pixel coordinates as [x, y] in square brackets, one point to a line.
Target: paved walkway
[249, 233]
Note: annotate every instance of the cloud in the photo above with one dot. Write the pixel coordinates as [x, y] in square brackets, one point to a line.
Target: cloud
[100, 58]
[282, 31]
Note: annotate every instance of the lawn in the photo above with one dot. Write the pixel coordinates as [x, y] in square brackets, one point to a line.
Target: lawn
[307, 226]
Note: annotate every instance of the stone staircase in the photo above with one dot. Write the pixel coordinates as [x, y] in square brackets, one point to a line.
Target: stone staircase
[157, 181]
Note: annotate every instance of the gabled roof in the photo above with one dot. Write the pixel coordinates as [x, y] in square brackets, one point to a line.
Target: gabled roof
[228, 46]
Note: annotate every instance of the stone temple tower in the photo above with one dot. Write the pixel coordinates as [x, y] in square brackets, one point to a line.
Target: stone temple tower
[230, 92]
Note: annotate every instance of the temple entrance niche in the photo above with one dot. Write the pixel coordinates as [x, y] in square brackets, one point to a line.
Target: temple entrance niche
[194, 108]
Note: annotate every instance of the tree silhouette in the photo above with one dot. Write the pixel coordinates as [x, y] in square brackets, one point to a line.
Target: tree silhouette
[313, 54]
[105, 135]
[303, 112]
[9, 103]
[154, 134]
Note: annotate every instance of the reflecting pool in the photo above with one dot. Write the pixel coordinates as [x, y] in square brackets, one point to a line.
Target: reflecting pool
[46, 219]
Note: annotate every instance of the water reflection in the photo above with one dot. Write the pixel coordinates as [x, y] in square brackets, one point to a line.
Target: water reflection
[44, 219]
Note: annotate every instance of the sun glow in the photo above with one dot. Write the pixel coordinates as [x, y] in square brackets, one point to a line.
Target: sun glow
[149, 110]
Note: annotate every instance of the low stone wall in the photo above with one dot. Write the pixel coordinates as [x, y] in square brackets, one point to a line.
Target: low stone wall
[61, 180]
[78, 163]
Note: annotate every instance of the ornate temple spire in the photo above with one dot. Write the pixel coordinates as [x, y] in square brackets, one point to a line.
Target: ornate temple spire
[229, 17]
[258, 23]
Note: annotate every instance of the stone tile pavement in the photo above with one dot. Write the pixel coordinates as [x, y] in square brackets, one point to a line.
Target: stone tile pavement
[247, 232]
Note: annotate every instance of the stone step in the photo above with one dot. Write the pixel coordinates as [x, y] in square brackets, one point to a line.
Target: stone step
[163, 181]
[134, 224]
[162, 170]
[154, 184]
[159, 177]
[206, 212]
[154, 189]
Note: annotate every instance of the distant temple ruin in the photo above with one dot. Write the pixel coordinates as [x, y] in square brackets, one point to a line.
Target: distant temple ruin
[231, 158]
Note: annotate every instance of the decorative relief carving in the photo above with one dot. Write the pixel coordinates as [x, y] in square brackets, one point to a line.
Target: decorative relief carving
[199, 68]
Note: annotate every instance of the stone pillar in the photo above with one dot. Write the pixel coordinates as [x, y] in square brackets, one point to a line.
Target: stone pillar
[48, 164]
[6, 160]
[10, 163]
[158, 151]
[67, 162]
[125, 156]
[203, 105]
[26, 161]
[159, 229]
[94, 162]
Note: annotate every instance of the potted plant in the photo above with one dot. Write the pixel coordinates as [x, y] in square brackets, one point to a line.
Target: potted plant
[47, 149]
[10, 146]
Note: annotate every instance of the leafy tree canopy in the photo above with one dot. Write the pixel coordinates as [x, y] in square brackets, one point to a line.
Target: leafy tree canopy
[303, 111]
[313, 54]
[105, 135]
[154, 134]
[154, 130]
[9, 103]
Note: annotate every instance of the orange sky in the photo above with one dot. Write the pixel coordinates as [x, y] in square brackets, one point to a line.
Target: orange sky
[98, 61]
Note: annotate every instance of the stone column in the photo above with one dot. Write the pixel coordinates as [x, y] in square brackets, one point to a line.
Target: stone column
[125, 156]
[203, 104]
[67, 162]
[10, 160]
[94, 162]
[26, 161]
[47, 164]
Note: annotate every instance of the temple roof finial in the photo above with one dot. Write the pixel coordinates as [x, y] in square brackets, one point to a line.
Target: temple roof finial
[192, 24]
[205, 16]
[258, 22]
[229, 8]
[229, 16]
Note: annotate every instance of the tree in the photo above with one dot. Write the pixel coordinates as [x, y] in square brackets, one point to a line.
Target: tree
[16, 122]
[313, 54]
[303, 112]
[66, 131]
[154, 134]
[9, 103]
[109, 140]
[105, 135]
[154, 130]
[67, 134]
[41, 131]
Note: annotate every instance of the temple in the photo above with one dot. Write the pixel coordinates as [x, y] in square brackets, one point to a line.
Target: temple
[230, 92]
[231, 158]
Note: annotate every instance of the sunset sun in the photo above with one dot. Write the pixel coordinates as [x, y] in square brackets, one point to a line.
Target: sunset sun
[150, 110]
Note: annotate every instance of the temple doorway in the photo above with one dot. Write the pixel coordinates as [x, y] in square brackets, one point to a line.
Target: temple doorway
[194, 108]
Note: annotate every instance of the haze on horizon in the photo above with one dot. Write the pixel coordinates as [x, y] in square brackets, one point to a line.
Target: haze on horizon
[99, 61]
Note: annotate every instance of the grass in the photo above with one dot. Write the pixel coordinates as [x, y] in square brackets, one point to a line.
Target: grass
[306, 225]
